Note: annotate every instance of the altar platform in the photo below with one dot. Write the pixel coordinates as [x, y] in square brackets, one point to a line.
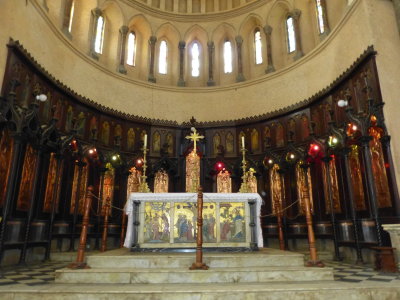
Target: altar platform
[167, 221]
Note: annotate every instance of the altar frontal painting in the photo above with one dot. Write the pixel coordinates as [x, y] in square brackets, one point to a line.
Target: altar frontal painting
[185, 222]
[157, 222]
[232, 222]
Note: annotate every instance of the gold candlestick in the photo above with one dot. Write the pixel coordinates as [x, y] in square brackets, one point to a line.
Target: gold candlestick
[244, 187]
[143, 187]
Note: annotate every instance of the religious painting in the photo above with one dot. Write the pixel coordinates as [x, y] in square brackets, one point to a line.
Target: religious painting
[79, 189]
[170, 142]
[53, 184]
[254, 140]
[277, 190]
[378, 169]
[6, 150]
[105, 133]
[156, 142]
[69, 119]
[291, 130]
[27, 178]
[80, 124]
[209, 223]
[229, 143]
[131, 139]
[279, 135]
[133, 181]
[216, 143]
[192, 172]
[142, 134]
[157, 222]
[267, 137]
[46, 107]
[356, 178]
[303, 190]
[232, 222]
[332, 177]
[107, 187]
[185, 215]
[117, 135]
[224, 182]
[93, 128]
[305, 127]
[161, 182]
[59, 112]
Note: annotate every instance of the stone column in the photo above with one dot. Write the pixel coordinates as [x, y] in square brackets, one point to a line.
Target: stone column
[270, 67]
[211, 49]
[123, 31]
[239, 43]
[96, 13]
[181, 47]
[396, 5]
[324, 19]
[295, 14]
[152, 44]
[394, 231]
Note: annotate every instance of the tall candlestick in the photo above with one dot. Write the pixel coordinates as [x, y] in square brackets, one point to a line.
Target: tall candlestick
[145, 140]
[242, 141]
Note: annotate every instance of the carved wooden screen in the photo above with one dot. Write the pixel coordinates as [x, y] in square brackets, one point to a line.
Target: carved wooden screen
[334, 186]
[27, 178]
[52, 184]
[6, 150]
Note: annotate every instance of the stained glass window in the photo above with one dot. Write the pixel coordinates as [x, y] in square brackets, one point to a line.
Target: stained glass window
[195, 60]
[131, 49]
[290, 34]
[227, 57]
[162, 60]
[258, 47]
[98, 42]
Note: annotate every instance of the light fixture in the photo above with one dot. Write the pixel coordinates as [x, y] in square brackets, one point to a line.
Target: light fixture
[342, 103]
[114, 157]
[270, 161]
[41, 97]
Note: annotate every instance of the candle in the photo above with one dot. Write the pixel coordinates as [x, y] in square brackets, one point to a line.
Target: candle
[145, 140]
[242, 141]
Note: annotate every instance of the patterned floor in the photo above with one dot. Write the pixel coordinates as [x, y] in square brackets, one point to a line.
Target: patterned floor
[38, 274]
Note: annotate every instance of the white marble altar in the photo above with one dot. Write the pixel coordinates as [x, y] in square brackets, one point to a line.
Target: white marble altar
[161, 230]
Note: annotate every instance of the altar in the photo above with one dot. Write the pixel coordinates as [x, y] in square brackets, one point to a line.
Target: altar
[168, 220]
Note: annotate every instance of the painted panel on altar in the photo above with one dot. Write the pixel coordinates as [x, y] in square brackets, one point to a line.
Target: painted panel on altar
[232, 222]
[157, 222]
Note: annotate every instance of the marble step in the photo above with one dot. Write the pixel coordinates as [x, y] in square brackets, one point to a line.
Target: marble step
[178, 276]
[265, 258]
[232, 291]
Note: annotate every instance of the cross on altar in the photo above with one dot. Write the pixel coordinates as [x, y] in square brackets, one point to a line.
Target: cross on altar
[194, 136]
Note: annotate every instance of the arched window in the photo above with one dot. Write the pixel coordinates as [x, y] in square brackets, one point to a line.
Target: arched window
[195, 51]
[227, 57]
[320, 16]
[162, 59]
[131, 49]
[290, 34]
[71, 16]
[258, 47]
[98, 42]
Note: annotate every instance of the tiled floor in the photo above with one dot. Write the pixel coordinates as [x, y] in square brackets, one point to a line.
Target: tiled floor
[38, 274]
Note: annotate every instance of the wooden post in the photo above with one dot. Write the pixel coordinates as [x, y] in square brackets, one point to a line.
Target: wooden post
[123, 229]
[313, 262]
[105, 225]
[199, 265]
[280, 232]
[79, 263]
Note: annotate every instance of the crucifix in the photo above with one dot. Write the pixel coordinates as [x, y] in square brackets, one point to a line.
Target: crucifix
[194, 136]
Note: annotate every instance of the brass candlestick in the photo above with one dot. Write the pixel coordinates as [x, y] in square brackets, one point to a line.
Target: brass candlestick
[244, 188]
[143, 187]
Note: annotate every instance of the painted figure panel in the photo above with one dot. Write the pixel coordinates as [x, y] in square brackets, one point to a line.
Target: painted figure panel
[334, 186]
[216, 143]
[52, 183]
[356, 178]
[79, 193]
[157, 222]
[279, 135]
[254, 140]
[131, 139]
[232, 222]
[105, 133]
[156, 142]
[6, 150]
[185, 221]
[26, 185]
[302, 189]
[229, 143]
[170, 141]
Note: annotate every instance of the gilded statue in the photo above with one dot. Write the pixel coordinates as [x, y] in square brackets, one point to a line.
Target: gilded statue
[251, 181]
[192, 172]
[133, 181]
[161, 182]
[276, 190]
[224, 182]
[108, 186]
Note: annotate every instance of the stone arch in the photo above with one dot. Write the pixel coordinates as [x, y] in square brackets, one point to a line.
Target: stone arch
[81, 23]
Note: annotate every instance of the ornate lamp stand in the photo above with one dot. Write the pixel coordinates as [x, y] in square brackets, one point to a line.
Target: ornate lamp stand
[143, 187]
[244, 188]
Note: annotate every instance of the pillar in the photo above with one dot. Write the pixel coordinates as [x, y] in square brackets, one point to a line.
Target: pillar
[296, 13]
[270, 67]
[123, 31]
[181, 47]
[152, 44]
[239, 43]
[211, 48]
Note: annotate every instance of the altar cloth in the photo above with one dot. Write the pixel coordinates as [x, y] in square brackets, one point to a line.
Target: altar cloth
[191, 197]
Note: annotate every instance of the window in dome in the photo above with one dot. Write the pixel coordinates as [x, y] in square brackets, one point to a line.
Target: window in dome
[227, 57]
[71, 16]
[320, 15]
[195, 59]
[258, 47]
[131, 49]
[98, 42]
[290, 34]
[162, 59]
